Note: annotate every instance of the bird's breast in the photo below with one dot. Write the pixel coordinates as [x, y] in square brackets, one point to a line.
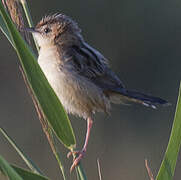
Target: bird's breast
[77, 94]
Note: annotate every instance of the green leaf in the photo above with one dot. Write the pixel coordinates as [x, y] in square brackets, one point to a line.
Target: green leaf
[45, 95]
[167, 168]
[27, 175]
[8, 170]
[4, 29]
[26, 159]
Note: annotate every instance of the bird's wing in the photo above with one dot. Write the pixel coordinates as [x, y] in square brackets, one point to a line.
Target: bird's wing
[91, 64]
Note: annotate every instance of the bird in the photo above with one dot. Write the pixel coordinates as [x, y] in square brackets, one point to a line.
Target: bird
[79, 74]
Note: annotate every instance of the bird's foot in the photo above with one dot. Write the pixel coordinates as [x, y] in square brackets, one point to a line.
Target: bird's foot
[79, 156]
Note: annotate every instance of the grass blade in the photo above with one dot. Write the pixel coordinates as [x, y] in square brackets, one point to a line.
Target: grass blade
[167, 168]
[27, 160]
[27, 175]
[8, 170]
[4, 29]
[45, 95]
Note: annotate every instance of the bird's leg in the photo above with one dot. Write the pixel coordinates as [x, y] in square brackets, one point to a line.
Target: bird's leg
[82, 152]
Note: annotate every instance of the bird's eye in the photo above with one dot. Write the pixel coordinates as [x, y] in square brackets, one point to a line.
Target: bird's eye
[47, 30]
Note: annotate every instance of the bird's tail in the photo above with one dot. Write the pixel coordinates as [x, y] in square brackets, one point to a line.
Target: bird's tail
[127, 96]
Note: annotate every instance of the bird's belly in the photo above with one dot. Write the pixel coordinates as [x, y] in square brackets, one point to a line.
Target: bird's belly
[77, 95]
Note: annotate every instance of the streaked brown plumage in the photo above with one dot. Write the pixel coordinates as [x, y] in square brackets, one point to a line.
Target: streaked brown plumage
[79, 74]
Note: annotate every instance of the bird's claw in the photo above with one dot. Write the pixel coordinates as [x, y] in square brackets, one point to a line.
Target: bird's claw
[79, 156]
[71, 153]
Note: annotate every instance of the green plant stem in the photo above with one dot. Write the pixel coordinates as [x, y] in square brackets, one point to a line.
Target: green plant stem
[56, 153]
[29, 19]
[79, 169]
[80, 172]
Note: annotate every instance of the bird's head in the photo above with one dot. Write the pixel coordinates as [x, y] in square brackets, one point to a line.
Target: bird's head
[56, 29]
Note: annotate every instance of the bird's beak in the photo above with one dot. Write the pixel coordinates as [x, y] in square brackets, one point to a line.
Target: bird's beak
[31, 30]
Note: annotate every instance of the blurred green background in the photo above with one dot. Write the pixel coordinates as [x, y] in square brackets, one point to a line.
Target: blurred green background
[142, 41]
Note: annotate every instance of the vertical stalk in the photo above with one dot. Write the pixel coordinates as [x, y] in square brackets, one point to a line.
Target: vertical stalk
[29, 19]
[79, 169]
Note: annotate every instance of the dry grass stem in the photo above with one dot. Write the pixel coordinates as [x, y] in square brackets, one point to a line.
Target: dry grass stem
[99, 169]
[15, 10]
[150, 174]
